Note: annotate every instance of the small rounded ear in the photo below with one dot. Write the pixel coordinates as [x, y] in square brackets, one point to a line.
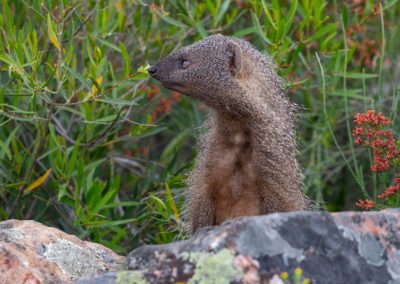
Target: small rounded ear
[234, 57]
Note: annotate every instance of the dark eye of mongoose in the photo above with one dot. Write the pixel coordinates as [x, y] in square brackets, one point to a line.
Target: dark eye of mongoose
[185, 64]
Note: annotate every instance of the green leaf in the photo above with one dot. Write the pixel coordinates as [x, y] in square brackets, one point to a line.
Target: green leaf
[389, 4]
[103, 120]
[112, 46]
[244, 32]
[174, 144]
[77, 76]
[72, 159]
[118, 102]
[322, 32]
[121, 204]
[289, 20]
[200, 28]
[7, 59]
[350, 94]
[143, 69]
[52, 33]
[125, 57]
[268, 14]
[103, 201]
[222, 10]
[82, 170]
[171, 21]
[352, 75]
[160, 205]
[139, 76]
[62, 191]
[260, 31]
[171, 202]
[93, 224]
[16, 110]
[5, 145]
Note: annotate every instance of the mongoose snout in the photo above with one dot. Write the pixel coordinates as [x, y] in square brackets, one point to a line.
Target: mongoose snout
[160, 72]
[247, 157]
[152, 70]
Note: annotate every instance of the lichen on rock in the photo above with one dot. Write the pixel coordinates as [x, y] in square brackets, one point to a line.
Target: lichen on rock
[214, 267]
[126, 277]
[30, 251]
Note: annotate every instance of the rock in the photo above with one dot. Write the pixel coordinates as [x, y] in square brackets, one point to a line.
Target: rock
[318, 247]
[295, 247]
[33, 253]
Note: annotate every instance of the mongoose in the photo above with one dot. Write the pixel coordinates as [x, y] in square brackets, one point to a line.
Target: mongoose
[247, 158]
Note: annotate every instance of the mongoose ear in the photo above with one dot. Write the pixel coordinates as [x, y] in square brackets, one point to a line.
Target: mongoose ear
[235, 57]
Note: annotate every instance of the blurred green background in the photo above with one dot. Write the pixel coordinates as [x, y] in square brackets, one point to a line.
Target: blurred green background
[88, 144]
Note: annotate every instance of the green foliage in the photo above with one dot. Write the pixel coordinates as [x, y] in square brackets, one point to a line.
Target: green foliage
[89, 145]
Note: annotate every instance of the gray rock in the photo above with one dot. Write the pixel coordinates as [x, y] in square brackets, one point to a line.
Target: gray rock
[348, 247]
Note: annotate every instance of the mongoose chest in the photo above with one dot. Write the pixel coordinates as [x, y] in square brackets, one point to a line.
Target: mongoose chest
[233, 177]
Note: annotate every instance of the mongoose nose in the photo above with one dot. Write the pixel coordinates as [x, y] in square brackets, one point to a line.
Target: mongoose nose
[152, 69]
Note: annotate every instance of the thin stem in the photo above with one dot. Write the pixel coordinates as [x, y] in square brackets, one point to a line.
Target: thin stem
[360, 182]
[345, 98]
[381, 59]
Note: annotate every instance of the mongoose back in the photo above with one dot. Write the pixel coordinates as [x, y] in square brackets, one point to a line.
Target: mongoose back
[247, 158]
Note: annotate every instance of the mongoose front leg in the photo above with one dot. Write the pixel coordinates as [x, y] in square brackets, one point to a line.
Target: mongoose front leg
[199, 208]
[279, 189]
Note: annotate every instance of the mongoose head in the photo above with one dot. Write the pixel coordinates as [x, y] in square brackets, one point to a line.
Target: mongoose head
[205, 70]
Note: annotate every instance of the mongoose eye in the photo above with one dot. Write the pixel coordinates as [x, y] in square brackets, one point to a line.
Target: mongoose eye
[185, 64]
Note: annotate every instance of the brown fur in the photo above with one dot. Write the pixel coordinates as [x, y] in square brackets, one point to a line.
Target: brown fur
[246, 163]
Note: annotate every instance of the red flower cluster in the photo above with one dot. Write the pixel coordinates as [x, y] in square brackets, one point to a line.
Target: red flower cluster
[391, 190]
[365, 204]
[370, 132]
[371, 117]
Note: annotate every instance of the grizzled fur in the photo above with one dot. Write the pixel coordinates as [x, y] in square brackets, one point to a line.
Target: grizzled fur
[247, 160]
